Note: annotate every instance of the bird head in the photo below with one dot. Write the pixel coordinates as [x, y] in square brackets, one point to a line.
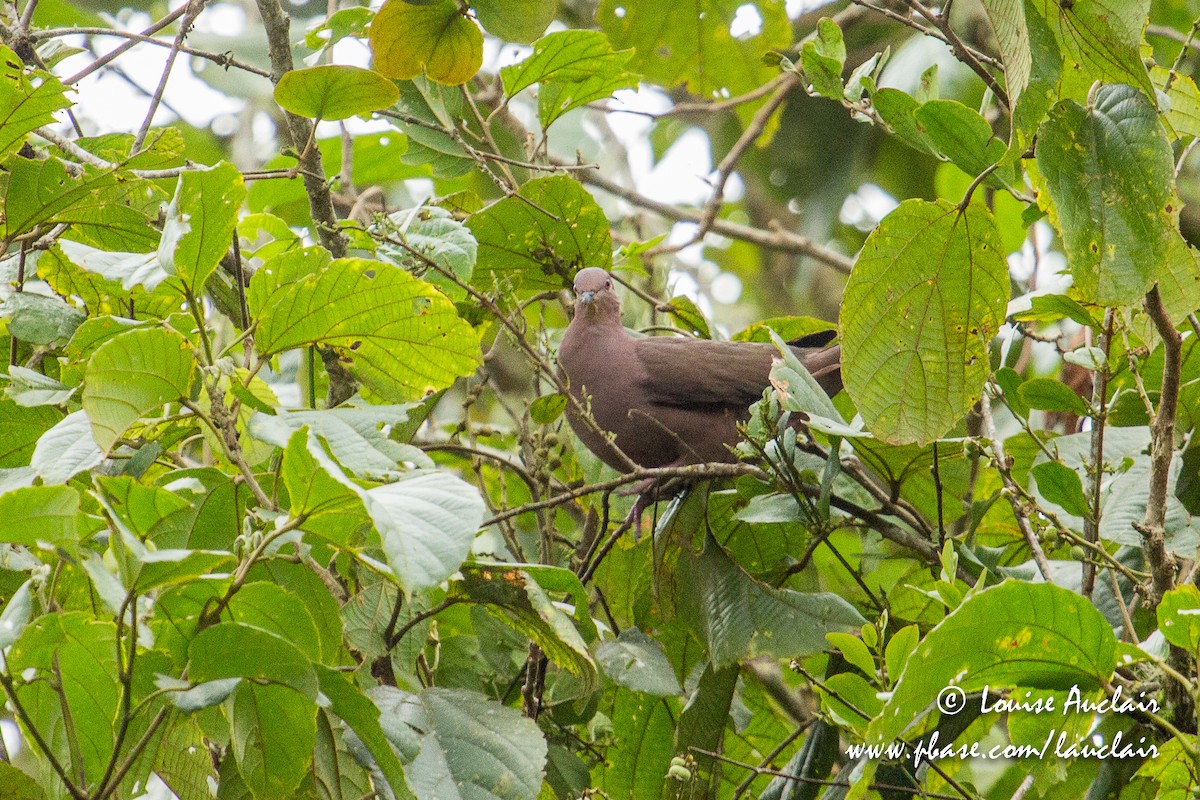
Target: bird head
[594, 289]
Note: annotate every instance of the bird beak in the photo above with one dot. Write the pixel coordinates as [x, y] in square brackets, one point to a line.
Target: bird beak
[586, 297]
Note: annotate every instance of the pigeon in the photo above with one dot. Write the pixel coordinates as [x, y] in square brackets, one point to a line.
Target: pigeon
[666, 400]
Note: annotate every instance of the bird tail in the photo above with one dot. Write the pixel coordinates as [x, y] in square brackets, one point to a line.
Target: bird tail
[825, 365]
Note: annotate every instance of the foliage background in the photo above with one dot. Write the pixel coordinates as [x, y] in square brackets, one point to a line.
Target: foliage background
[288, 506]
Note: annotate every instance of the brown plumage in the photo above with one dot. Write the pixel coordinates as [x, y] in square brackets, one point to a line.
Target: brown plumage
[668, 400]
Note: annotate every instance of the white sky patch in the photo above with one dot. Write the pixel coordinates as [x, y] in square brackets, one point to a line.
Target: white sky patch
[726, 288]
[747, 22]
[795, 8]
[110, 104]
[866, 207]
[12, 736]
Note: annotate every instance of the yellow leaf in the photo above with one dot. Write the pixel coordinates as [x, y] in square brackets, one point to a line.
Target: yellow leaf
[437, 40]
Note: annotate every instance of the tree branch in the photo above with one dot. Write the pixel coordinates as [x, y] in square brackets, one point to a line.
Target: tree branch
[1162, 449]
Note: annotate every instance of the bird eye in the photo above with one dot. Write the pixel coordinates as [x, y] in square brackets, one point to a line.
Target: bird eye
[608, 284]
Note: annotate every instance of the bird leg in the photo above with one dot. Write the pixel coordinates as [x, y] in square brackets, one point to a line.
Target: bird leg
[648, 491]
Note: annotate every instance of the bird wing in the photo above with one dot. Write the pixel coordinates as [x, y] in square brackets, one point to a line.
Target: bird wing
[684, 372]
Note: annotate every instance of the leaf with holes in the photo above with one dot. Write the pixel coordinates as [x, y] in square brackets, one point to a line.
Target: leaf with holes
[1015, 635]
[401, 337]
[1110, 171]
[1101, 39]
[928, 292]
[538, 241]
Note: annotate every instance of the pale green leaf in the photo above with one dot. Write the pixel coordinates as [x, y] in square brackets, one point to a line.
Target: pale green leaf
[519, 21]
[1014, 635]
[401, 337]
[132, 375]
[928, 292]
[334, 92]
[200, 223]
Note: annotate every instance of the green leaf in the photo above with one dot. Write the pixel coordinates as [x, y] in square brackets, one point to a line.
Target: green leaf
[1125, 507]
[788, 329]
[23, 428]
[547, 408]
[1014, 635]
[823, 59]
[66, 450]
[235, 650]
[182, 761]
[471, 748]
[1048, 394]
[131, 375]
[200, 223]
[149, 512]
[645, 726]
[928, 292]
[78, 653]
[334, 92]
[519, 21]
[433, 246]
[959, 133]
[899, 649]
[273, 731]
[104, 209]
[538, 241]
[28, 100]
[427, 523]
[16, 615]
[702, 721]
[689, 45]
[273, 608]
[1110, 171]
[898, 109]
[1053, 307]
[40, 320]
[567, 56]
[514, 597]
[1179, 617]
[740, 617]
[574, 68]
[321, 493]
[437, 40]
[362, 715]
[129, 269]
[17, 785]
[854, 651]
[35, 514]
[1182, 115]
[689, 317]
[31, 388]
[401, 336]
[1179, 282]
[1062, 486]
[637, 662]
[1012, 37]
[1101, 39]
[357, 436]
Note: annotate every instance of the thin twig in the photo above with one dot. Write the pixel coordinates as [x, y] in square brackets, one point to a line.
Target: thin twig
[225, 60]
[776, 239]
[124, 46]
[192, 10]
[1013, 494]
